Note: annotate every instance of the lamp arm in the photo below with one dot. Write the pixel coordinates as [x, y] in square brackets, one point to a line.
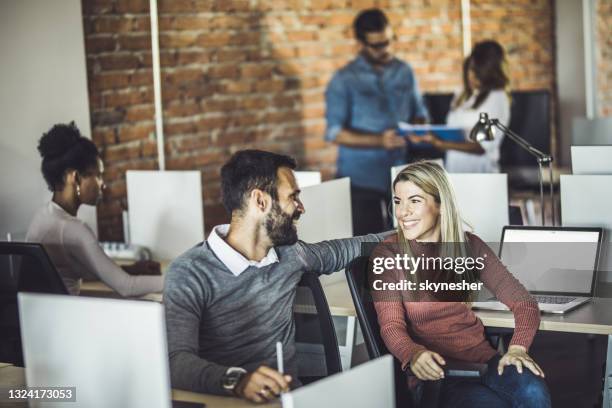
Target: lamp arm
[522, 142]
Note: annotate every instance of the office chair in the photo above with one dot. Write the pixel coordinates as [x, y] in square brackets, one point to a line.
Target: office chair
[24, 267]
[315, 332]
[356, 274]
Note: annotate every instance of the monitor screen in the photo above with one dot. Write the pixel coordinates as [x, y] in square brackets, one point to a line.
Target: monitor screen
[552, 260]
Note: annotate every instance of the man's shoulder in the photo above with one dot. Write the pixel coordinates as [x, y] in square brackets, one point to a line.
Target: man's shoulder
[401, 65]
[352, 66]
[197, 260]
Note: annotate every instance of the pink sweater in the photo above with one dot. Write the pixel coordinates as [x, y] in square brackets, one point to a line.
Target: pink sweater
[451, 328]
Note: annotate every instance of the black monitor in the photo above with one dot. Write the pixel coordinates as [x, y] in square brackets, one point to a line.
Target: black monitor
[24, 267]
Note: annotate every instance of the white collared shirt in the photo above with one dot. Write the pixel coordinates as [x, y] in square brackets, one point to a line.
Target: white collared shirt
[232, 259]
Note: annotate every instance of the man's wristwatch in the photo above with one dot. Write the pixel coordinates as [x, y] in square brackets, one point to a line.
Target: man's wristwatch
[232, 377]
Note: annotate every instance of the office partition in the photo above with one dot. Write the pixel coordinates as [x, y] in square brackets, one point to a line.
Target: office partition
[586, 201]
[328, 214]
[166, 212]
[591, 159]
[307, 178]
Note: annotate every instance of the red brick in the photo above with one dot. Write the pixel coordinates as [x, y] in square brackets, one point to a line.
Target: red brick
[256, 70]
[95, 45]
[135, 42]
[177, 39]
[223, 71]
[135, 132]
[112, 62]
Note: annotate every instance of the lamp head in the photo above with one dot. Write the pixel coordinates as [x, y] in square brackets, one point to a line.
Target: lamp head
[482, 129]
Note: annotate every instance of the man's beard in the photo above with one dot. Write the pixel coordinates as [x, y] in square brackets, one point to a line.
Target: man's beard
[280, 227]
[379, 62]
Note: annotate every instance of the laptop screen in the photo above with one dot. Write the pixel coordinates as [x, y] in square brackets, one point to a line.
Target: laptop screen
[552, 260]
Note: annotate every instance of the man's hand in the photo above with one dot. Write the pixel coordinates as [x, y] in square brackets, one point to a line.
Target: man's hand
[263, 384]
[426, 365]
[517, 356]
[391, 140]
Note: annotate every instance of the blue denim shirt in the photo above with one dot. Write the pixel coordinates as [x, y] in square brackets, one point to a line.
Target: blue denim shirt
[362, 99]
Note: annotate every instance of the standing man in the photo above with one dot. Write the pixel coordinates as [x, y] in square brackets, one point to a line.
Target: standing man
[365, 101]
[230, 299]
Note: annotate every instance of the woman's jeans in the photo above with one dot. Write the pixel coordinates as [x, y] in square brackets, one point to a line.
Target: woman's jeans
[511, 389]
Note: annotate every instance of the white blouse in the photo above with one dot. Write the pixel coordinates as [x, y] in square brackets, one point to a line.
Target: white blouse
[74, 250]
[497, 106]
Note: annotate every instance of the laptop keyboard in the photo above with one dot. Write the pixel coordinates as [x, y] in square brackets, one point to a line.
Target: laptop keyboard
[554, 300]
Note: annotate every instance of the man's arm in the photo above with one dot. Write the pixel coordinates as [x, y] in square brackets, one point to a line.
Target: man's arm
[184, 303]
[327, 257]
[419, 114]
[389, 139]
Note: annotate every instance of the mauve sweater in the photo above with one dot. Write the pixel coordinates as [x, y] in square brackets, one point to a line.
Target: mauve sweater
[451, 328]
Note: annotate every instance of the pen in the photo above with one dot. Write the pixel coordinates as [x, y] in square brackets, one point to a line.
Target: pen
[279, 357]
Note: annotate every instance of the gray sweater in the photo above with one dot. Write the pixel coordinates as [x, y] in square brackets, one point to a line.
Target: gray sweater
[217, 320]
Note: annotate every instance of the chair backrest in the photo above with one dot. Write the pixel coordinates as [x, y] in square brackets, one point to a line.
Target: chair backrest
[356, 276]
[24, 267]
[438, 105]
[315, 330]
[530, 119]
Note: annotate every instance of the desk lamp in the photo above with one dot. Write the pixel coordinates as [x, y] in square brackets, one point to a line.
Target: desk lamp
[483, 131]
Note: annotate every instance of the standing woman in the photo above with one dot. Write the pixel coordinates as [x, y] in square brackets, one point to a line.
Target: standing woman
[422, 334]
[485, 89]
[73, 171]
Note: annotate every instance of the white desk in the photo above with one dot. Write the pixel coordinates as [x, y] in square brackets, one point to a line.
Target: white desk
[11, 376]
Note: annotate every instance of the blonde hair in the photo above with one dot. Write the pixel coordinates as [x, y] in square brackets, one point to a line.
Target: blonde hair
[430, 177]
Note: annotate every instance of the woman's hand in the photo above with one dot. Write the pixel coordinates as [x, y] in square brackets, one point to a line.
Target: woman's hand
[517, 356]
[426, 365]
[143, 268]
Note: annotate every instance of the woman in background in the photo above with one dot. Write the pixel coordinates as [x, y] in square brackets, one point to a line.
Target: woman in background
[422, 329]
[73, 171]
[486, 89]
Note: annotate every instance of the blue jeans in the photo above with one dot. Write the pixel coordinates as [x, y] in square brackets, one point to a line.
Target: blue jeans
[511, 390]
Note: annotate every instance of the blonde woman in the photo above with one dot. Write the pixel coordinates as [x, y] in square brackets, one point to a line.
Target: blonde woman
[422, 334]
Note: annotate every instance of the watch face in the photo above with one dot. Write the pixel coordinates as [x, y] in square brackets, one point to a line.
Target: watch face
[231, 378]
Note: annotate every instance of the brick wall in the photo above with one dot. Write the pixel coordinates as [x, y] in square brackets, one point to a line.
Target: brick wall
[240, 74]
[604, 57]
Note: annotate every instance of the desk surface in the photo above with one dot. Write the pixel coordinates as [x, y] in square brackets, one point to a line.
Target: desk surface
[99, 288]
[11, 376]
[595, 317]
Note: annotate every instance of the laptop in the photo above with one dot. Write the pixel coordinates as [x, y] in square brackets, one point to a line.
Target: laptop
[113, 352]
[368, 385]
[557, 265]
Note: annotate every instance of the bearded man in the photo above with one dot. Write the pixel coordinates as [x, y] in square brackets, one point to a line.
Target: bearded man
[230, 299]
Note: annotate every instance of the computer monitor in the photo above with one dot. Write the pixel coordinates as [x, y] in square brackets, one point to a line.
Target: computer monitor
[591, 159]
[112, 351]
[552, 260]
